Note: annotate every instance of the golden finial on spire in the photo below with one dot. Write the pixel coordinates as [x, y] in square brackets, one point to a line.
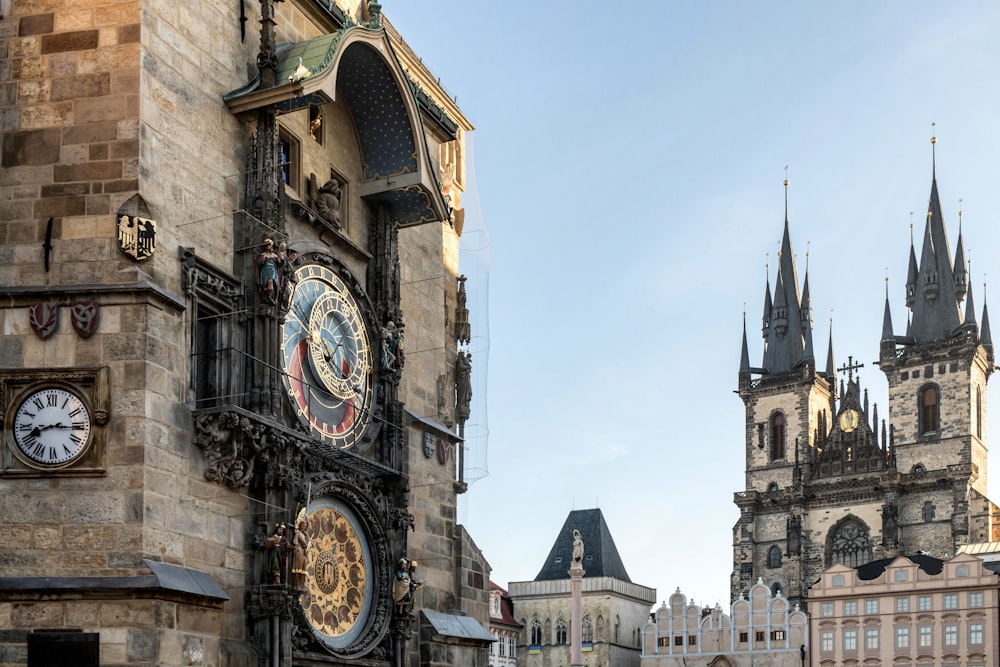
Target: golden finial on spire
[933, 153]
[960, 214]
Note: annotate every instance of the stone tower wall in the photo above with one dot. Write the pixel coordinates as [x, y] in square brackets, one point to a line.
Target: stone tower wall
[957, 371]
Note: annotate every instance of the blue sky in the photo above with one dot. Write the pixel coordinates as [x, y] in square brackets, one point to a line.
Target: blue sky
[628, 165]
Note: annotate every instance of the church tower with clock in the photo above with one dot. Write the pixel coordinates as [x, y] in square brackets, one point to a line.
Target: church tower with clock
[218, 381]
[828, 482]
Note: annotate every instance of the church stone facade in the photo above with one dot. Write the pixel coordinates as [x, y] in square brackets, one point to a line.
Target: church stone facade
[231, 423]
[826, 481]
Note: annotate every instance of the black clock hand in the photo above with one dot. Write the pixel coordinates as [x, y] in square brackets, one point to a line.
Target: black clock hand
[46, 428]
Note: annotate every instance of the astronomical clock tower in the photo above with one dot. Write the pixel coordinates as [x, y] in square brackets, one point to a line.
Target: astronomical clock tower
[828, 482]
[213, 372]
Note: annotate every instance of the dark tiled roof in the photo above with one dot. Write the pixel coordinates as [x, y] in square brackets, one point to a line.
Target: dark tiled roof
[600, 558]
[872, 570]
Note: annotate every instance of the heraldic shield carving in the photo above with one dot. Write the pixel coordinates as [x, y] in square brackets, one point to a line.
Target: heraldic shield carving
[85, 315]
[136, 236]
[43, 318]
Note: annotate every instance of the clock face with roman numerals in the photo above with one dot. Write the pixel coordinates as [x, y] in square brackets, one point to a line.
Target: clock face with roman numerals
[327, 358]
[52, 427]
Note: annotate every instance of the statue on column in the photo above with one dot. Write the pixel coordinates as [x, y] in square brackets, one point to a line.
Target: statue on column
[577, 547]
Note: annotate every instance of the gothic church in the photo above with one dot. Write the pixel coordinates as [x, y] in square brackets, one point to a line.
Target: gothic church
[828, 482]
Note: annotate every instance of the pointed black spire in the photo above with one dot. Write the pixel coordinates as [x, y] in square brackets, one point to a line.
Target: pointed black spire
[786, 335]
[969, 324]
[830, 365]
[911, 271]
[936, 314]
[961, 275]
[985, 337]
[806, 317]
[887, 334]
[768, 306]
[745, 352]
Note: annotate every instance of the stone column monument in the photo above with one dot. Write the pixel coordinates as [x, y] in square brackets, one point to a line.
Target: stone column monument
[576, 608]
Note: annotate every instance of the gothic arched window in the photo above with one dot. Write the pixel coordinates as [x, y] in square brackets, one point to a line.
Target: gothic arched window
[929, 410]
[586, 630]
[560, 632]
[848, 544]
[777, 436]
[774, 557]
[979, 412]
[536, 633]
[928, 511]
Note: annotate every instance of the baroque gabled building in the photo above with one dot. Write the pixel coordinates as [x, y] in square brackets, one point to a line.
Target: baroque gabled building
[230, 422]
[826, 481]
[761, 629]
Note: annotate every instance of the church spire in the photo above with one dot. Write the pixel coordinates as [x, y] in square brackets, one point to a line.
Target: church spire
[831, 372]
[745, 352]
[961, 275]
[985, 337]
[787, 336]
[935, 308]
[911, 271]
[768, 306]
[806, 317]
[887, 334]
[970, 314]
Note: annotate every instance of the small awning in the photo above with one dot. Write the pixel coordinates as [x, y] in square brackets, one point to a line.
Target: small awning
[456, 628]
[438, 429]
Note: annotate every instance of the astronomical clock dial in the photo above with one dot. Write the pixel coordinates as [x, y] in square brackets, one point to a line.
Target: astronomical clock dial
[52, 427]
[327, 357]
[339, 595]
[848, 420]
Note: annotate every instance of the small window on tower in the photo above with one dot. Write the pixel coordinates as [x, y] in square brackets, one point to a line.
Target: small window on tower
[778, 437]
[774, 557]
[929, 410]
[979, 412]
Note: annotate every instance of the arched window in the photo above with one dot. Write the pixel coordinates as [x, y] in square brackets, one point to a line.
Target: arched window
[929, 410]
[775, 588]
[560, 632]
[586, 629]
[772, 487]
[774, 557]
[777, 436]
[928, 512]
[979, 412]
[618, 625]
[848, 544]
[536, 633]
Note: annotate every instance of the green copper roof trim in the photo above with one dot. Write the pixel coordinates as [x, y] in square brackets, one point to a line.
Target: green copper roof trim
[317, 56]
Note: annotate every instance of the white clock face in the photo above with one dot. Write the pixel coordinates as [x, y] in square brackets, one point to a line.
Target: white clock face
[52, 427]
